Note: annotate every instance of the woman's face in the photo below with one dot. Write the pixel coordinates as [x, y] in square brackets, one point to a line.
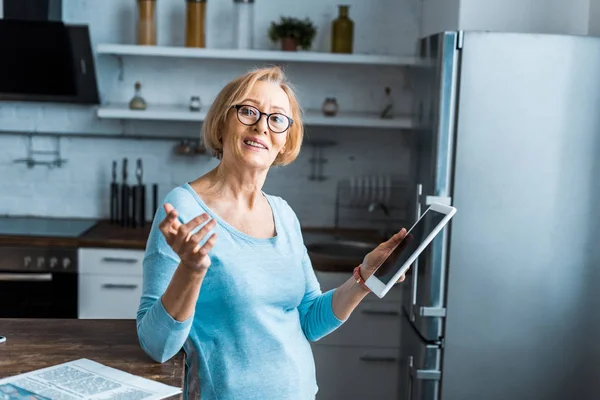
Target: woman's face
[257, 145]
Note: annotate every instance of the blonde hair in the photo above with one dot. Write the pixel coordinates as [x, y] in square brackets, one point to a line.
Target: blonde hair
[237, 90]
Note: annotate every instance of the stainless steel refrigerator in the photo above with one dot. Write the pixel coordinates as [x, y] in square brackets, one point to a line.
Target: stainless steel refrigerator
[506, 304]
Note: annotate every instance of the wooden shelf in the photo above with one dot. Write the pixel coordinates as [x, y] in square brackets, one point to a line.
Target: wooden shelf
[315, 118]
[256, 55]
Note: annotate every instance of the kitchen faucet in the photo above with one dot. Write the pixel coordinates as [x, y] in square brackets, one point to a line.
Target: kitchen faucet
[387, 231]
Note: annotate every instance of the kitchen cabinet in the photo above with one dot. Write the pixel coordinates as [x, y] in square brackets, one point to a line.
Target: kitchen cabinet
[110, 283]
[361, 358]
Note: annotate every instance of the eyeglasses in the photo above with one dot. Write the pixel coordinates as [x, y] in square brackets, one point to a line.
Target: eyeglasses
[250, 115]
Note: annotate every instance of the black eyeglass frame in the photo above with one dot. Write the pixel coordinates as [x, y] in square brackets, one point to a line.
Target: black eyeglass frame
[260, 114]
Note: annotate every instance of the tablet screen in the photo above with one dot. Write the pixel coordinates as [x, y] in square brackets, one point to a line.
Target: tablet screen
[417, 234]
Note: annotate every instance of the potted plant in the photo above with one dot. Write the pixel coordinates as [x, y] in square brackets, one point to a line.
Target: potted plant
[293, 32]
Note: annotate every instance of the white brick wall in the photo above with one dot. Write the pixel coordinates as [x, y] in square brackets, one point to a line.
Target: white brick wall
[80, 188]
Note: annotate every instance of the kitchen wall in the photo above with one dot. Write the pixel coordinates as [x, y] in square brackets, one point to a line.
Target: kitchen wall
[80, 188]
[439, 15]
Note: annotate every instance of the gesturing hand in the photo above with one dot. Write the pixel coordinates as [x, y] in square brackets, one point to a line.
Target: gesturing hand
[379, 254]
[179, 236]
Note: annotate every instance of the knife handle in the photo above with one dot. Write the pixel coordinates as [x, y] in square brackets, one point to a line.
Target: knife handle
[139, 171]
[124, 170]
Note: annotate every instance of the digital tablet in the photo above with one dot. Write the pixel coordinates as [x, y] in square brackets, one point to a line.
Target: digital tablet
[431, 223]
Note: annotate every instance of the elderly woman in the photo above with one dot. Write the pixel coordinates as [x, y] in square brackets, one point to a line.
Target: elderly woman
[226, 273]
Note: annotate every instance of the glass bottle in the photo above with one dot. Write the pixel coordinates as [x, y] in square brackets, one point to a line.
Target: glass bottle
[146, 23]
[244, 23]
[195, 18]
[137, 102]
[342, 32]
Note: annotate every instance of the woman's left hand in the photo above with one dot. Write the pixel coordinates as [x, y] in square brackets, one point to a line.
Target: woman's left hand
[378, 255]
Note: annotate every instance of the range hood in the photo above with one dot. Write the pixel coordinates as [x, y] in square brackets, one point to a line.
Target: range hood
[43, 59]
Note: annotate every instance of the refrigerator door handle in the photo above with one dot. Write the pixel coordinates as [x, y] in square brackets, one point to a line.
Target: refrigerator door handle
[425, 374]
[415, 267]
[439, 312]
[429, 200]
[409, 378]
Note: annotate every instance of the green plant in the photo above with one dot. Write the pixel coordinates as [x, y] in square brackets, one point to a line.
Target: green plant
[303, 31]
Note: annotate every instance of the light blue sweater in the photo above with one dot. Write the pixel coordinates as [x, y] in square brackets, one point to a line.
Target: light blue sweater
[259, 305]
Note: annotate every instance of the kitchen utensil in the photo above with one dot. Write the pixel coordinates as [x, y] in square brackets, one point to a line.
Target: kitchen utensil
[140, 196]
[155, 197]
[114, 195]
[124, 196]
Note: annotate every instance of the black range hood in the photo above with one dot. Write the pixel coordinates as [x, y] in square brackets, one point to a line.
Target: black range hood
[43, 59]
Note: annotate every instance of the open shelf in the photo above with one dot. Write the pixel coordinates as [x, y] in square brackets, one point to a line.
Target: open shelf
[256, 55]
[315, 118]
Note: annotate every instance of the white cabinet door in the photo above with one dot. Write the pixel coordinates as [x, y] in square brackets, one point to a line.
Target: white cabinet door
[356, 373]
[109, 297]
[110, 261]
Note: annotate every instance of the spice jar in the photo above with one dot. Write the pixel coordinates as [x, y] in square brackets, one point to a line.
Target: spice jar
[146, 23]
[195, 11]
[330, 107]
[244, 24]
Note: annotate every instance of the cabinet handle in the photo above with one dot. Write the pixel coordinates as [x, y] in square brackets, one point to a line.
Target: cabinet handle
[389, 313]
[119, 260]
[12, 277]
[118, 286]
[378, 359]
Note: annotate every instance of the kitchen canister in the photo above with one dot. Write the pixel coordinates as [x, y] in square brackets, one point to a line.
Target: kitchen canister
[146, 22]
[244, 24]
[195, 18]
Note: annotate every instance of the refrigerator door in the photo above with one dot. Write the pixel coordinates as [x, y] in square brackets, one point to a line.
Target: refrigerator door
[420, 364]
[435, 96]
[523, 317]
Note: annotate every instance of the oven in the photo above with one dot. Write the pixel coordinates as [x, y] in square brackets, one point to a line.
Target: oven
[38, 282]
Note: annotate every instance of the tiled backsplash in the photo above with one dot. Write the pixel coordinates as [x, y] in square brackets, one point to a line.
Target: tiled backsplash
[80, 188]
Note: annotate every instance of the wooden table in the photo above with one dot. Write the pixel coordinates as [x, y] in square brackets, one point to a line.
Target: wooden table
[38, 343]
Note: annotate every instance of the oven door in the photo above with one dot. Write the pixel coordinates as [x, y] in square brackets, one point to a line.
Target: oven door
[30, 294]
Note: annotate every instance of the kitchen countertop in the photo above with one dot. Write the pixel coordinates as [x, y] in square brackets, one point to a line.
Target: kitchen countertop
[107, 235]
[32, 344]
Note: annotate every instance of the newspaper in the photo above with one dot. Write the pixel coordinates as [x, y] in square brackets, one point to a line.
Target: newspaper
[81, 380]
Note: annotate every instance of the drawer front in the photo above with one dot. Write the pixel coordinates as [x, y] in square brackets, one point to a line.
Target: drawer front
[109, 297]
[111, 261]
[371, 324]
[331, 280]
[356, 373]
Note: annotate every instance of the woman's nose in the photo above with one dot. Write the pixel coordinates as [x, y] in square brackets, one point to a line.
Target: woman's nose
[262, 124]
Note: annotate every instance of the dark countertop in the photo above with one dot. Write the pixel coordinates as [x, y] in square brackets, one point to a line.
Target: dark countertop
[106, 235]
[32, 344]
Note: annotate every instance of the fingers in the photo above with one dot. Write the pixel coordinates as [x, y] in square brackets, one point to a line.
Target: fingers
[170, 224]
[395, 240]
[185, 231]
[206, 247]
[198, 236]
[402, 278]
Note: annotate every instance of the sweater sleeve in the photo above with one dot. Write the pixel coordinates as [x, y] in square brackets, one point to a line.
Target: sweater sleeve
[316, 312]
[160, 335]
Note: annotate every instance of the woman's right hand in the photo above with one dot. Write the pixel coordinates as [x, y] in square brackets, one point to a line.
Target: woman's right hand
[186, 244]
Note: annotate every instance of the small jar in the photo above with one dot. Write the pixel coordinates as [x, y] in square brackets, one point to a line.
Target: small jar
[146, 23]
[195, 104]
[244, 24]
[195, 19]
[330, 107]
